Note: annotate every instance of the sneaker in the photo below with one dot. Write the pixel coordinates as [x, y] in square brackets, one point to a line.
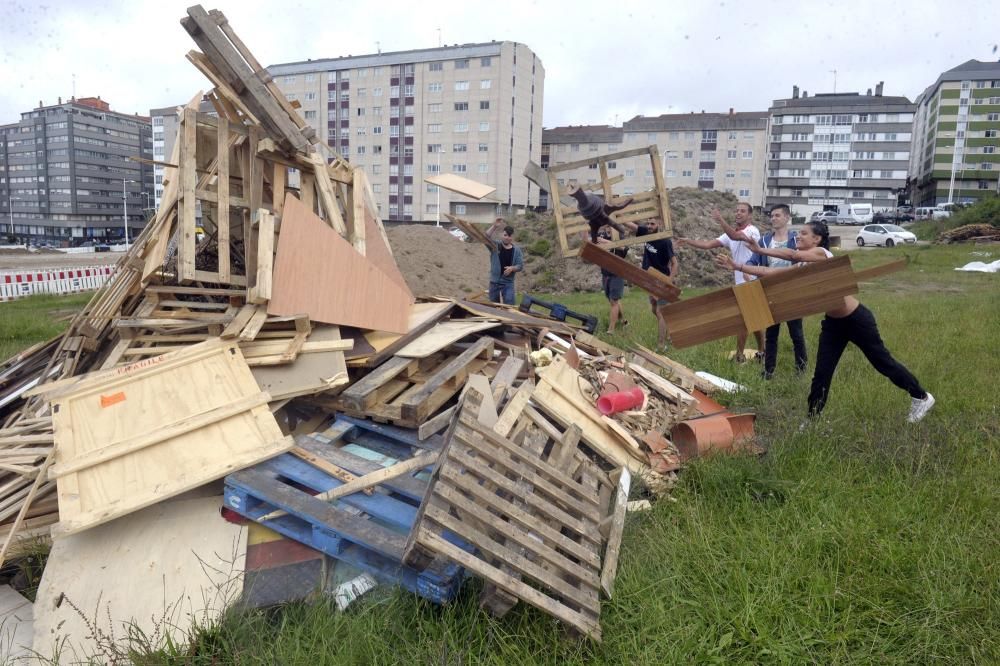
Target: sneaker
[759, 357]
[920, 407]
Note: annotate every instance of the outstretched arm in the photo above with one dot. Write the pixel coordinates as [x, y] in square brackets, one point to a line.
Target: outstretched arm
[699, 244]
[812, 254]
[725, 261]
[728, 228]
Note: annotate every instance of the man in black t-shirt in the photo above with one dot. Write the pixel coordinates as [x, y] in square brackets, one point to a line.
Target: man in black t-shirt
[659, 255]
[613, 285]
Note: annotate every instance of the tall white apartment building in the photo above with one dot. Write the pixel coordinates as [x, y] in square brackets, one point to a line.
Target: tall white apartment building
[474, 110]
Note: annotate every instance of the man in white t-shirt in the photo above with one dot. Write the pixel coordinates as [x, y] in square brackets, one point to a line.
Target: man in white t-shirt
[741, 254]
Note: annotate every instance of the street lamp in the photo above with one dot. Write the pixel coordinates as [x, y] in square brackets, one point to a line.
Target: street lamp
[10, 210]
[125, 204]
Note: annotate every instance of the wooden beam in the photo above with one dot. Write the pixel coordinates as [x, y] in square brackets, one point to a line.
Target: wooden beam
[654, 284]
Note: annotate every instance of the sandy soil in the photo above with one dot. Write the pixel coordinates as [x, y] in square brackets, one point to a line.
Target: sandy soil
[14, 259]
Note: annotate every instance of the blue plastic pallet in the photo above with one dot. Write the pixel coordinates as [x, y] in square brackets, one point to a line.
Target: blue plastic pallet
[368, 531]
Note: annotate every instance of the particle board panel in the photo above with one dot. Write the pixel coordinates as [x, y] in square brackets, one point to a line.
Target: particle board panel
[161, 568]
[653, 282]
[377, 247]
[319, 273]
[136, 435]
[753, 305]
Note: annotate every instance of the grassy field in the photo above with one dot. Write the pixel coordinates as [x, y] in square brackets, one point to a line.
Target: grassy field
[861, 539]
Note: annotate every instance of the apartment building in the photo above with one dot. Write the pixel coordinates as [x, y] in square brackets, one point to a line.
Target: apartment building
[838, 148]
[166, 123]
[955, 154]
[66, 176]
[474, 110]
[712, 151]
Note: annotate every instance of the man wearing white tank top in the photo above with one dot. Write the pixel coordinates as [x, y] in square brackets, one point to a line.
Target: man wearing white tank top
[740, 254]
[849, 322]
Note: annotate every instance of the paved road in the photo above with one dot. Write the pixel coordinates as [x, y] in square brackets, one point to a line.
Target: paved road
[14, 259]
[848, 237]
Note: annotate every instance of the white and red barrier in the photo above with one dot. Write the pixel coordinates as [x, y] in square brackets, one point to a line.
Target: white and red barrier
[19, 283]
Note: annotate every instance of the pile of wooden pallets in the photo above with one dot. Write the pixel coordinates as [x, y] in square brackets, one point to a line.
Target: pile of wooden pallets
[283, 352]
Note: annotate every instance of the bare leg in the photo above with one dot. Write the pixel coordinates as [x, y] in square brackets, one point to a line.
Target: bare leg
[741, 343]
[613, 315]
[661, 326]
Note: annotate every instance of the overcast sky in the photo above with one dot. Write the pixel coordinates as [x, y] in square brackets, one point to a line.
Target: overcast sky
[605, 62]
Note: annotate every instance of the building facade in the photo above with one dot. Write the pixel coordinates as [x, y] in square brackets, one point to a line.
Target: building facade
[955, 155]
[712, 151]
[474, 110]
[66, 176]
[833, 149]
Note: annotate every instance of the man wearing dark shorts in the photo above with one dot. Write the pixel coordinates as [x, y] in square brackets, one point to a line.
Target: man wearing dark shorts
[613, 285]
[658, 254]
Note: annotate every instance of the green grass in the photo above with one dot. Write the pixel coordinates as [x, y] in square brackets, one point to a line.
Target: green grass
[862, 539]
[35, 318]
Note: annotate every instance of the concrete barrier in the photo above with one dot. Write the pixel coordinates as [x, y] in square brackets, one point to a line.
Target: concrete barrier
[20, 283]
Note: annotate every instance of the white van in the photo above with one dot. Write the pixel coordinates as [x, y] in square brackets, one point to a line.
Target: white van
[854, 213]
[933, 212]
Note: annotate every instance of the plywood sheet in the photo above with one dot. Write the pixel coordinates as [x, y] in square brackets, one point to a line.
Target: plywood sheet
[163, 568]
[16, 626]
[309, 373]
[319, 273]
[442, 335]
[153, 429]
[469, 188]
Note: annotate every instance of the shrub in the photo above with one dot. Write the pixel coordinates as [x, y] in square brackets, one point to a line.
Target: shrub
[540, 248]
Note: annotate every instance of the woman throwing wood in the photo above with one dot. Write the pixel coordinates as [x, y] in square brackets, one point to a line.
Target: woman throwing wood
[851, 322]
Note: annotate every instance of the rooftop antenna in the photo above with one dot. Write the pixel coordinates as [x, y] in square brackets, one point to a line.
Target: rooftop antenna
[834, 80]
[439, 37]
[378, 47]
[74, 86]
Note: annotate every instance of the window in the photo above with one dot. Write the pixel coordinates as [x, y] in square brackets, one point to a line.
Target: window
[484, 105]
[461, 106]
[434, 129]
[376, 92]
[891, 136]
[459, 148]
[462, 64]
[888, 156]
[310, 96]
[460, 209]
[291, 97]
[706, 174]
[707, 156]
[408, 90]
[433, 147]
[432, 168]
[289, 79]
[485, 84]
[376, 110]
[485, 61]
[709, 136]
[433, 87]
[744, 173]
[461, 127]
[748, 154]
[651, 136]
[744, 193]
[377, 129]
[688, 154]
[393, 91]
[885, 174]
[483, 168]
[484, 126]
[461, 85]
[993, 116]
[990, 134]
[685, 174]
[433, 108]
[612, 165]
[435, 66]
[984, 184]
[671, 173]
[361, 111]
[630, 173]
[731, 154]
[986, 166]
[858, 194]
[361, 150]
[362, 131]
[989, 149]
[376, 150]
[574, 147]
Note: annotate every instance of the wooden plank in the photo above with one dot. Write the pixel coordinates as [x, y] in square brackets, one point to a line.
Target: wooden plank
[610, 157]
[415, 407]
[753, 305]
[222, 216]
[460, 185]
[327, 198]
[260, 292]
[359, 204]
[310, 253]
[656, 284]
[368, 481]
[882, 269]
[443, 335]
[663, 202]
[512, 412]
[187, 202]
[609, 567]
[663, 386]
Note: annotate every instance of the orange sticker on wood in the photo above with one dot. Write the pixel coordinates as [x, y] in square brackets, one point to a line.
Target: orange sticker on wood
[113, 399]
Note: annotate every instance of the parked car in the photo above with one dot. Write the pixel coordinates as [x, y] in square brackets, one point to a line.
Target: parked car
[828, 216]
[887, 235]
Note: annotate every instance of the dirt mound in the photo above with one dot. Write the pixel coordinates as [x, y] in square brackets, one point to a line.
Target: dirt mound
[437, 263]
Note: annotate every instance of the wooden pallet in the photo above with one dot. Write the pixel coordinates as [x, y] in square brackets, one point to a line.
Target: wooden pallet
[366, 530]
[525, 516]
[408, 391]
[645, 205]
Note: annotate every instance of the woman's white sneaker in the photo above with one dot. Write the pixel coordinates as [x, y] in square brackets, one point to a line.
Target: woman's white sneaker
[919, 408]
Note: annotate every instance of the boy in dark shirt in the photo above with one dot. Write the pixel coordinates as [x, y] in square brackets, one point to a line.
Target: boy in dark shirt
[613, 285]
[658, 254]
